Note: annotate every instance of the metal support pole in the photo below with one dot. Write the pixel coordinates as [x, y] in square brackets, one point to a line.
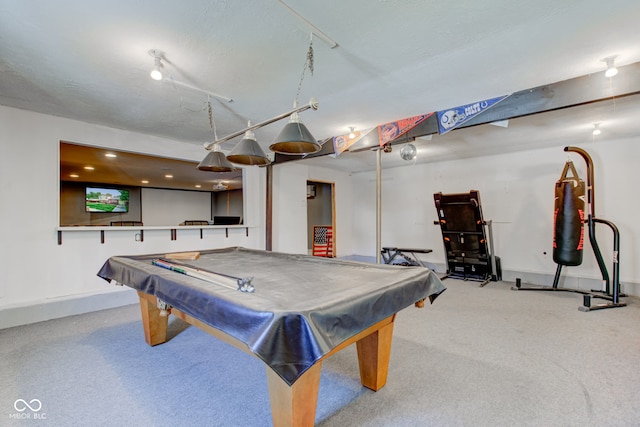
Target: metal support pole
[615, 290]
[268, 243]
[378, 204]
[492, 255]
[591, 218]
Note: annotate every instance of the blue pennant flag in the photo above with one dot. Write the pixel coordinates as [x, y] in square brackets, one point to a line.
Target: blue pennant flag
[454, 117]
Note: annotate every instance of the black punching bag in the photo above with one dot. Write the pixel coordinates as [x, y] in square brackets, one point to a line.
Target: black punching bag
[568, 221]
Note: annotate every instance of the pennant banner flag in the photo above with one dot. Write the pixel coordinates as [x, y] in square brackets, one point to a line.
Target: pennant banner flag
[392, 130]
[455, 117]
[343, 142]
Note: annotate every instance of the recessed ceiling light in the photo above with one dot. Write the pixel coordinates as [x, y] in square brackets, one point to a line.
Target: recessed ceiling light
[110, 155]
[89, 168]
[74, 175]
[198, 185]
[168, 176]
[144, 181]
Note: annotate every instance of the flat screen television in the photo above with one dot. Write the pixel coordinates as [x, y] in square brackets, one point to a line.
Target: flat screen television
[106, 200]
[226, 220]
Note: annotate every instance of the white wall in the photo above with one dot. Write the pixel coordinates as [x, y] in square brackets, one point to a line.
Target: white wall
[343, 200]
[41, 279]
[290, 207]
[517, 193]
[171, 207]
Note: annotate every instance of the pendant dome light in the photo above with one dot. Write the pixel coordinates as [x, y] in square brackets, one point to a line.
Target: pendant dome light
[216, 161]
[295, 138]
[248, 151]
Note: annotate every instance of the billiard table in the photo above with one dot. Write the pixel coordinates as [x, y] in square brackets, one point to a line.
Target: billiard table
[290, 311]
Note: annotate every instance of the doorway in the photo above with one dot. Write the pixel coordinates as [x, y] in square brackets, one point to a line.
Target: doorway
[321, 213]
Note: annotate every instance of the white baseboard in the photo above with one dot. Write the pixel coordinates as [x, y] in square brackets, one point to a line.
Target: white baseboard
[63, 307]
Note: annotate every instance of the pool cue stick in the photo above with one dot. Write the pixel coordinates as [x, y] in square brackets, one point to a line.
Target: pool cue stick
[244, 285]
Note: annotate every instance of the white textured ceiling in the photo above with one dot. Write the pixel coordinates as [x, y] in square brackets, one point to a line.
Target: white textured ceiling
[88, 60]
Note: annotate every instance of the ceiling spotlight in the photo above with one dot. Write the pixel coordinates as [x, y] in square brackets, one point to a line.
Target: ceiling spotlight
[156, 73]
[611, 68]
[352, 134]
[220, 186]
[408, 152]
[596, 129]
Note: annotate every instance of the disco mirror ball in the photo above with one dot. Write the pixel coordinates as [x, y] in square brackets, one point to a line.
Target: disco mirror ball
[408, 152]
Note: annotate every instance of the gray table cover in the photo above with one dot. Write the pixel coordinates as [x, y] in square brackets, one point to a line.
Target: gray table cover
[301, 309]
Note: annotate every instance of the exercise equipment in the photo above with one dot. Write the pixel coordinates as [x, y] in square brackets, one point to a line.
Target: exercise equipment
[403, 256]
[569, 237]
[467, 237]
[568, 218]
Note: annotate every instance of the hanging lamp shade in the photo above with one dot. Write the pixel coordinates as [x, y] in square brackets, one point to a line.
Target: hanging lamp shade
[248, 152]
[215, 161]
[295, 138]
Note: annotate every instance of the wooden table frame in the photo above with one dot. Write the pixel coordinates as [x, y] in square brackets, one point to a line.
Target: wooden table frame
[290, 405]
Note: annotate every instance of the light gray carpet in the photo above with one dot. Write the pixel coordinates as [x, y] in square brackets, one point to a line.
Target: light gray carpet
[476, 357]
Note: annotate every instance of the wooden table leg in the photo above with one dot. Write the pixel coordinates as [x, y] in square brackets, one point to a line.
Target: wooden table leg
[294, 405]
[291, 405]
[374, 352]
[155, 326]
